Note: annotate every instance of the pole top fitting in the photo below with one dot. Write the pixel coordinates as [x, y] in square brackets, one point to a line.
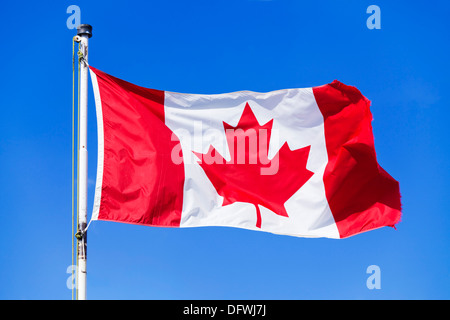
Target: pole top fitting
[84, 29]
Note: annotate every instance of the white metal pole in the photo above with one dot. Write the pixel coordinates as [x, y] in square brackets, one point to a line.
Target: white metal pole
[84, 33]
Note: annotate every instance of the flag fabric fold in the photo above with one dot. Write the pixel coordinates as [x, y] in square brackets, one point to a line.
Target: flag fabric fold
[297, 162]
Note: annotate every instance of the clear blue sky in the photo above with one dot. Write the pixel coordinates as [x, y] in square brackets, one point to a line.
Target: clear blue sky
[220, 46]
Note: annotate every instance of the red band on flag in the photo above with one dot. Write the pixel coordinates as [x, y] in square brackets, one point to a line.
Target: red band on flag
[141, 184]
[361, 195]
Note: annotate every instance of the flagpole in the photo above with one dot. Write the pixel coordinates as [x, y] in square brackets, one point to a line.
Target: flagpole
[84, 32]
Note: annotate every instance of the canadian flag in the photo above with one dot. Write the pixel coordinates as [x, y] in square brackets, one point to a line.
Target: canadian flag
[297, 162]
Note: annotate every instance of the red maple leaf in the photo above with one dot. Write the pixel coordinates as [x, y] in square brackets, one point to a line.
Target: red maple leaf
[249, 176]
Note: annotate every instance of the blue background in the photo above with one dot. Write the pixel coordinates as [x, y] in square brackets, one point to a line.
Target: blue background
[220, 46]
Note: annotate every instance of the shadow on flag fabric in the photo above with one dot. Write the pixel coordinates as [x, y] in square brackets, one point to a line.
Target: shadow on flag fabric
[297, 162]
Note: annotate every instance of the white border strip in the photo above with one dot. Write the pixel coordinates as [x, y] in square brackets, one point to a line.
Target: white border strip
[101, 146]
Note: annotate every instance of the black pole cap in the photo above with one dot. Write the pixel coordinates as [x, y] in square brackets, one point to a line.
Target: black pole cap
[84, 29]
